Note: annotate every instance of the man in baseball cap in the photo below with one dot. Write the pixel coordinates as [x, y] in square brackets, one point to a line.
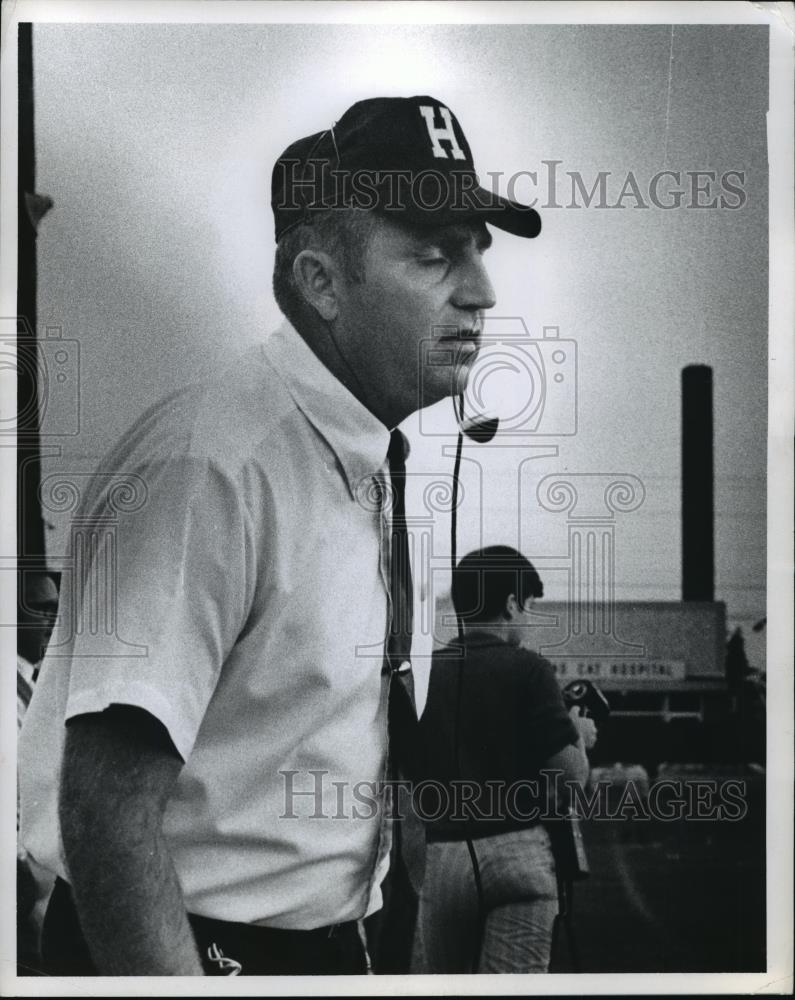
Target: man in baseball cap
[231, 771]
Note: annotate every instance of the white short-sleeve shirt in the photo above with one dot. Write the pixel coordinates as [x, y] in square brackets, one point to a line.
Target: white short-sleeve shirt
[229, 569]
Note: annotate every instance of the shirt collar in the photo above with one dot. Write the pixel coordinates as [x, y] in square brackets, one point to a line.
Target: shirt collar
[357, 438]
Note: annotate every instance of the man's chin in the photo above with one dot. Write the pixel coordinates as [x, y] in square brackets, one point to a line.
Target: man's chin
[444, 381]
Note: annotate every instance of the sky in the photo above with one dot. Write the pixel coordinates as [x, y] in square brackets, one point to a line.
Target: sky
[156, 143]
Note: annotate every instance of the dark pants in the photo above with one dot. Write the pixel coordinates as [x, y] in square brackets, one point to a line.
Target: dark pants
[223, 946]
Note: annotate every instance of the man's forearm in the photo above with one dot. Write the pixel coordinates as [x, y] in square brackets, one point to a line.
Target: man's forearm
[119, 771]
[130, 903]
[572, 762]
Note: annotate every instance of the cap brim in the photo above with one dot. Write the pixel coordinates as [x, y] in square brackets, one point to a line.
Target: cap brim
[520, 220]
[510, 216]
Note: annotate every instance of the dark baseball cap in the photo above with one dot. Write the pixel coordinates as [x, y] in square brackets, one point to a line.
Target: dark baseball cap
[401, 156]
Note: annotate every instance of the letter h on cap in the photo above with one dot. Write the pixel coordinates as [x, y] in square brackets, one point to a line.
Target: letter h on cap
[437, 134]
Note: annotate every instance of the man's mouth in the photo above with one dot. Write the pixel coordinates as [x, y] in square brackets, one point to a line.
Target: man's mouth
[467, 340]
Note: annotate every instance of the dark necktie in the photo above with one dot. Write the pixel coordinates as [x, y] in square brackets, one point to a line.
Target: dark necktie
[402, 712]
[408, 834]
[398, 647]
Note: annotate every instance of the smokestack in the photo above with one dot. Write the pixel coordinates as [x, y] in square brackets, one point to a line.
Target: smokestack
[698, 500]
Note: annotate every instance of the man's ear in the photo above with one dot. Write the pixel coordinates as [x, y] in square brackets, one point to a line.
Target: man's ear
[316, 275]
[511, 608]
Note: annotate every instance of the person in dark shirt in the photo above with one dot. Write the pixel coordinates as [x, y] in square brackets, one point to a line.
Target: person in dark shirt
[493, 722]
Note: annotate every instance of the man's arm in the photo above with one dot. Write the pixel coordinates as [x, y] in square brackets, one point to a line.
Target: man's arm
[119, 771]
[571, 760]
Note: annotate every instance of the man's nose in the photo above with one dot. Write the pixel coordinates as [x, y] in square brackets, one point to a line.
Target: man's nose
[475, 290]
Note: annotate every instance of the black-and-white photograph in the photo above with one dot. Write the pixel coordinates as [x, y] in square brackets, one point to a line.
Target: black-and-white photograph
[399, 401]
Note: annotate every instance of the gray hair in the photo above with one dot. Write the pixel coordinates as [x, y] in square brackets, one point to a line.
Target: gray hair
[342, 233]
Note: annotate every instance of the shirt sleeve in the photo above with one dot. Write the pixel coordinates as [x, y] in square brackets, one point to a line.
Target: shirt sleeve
[174, 577]
[550, 726]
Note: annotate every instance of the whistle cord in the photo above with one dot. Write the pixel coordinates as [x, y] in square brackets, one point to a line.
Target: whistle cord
[481, 919]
